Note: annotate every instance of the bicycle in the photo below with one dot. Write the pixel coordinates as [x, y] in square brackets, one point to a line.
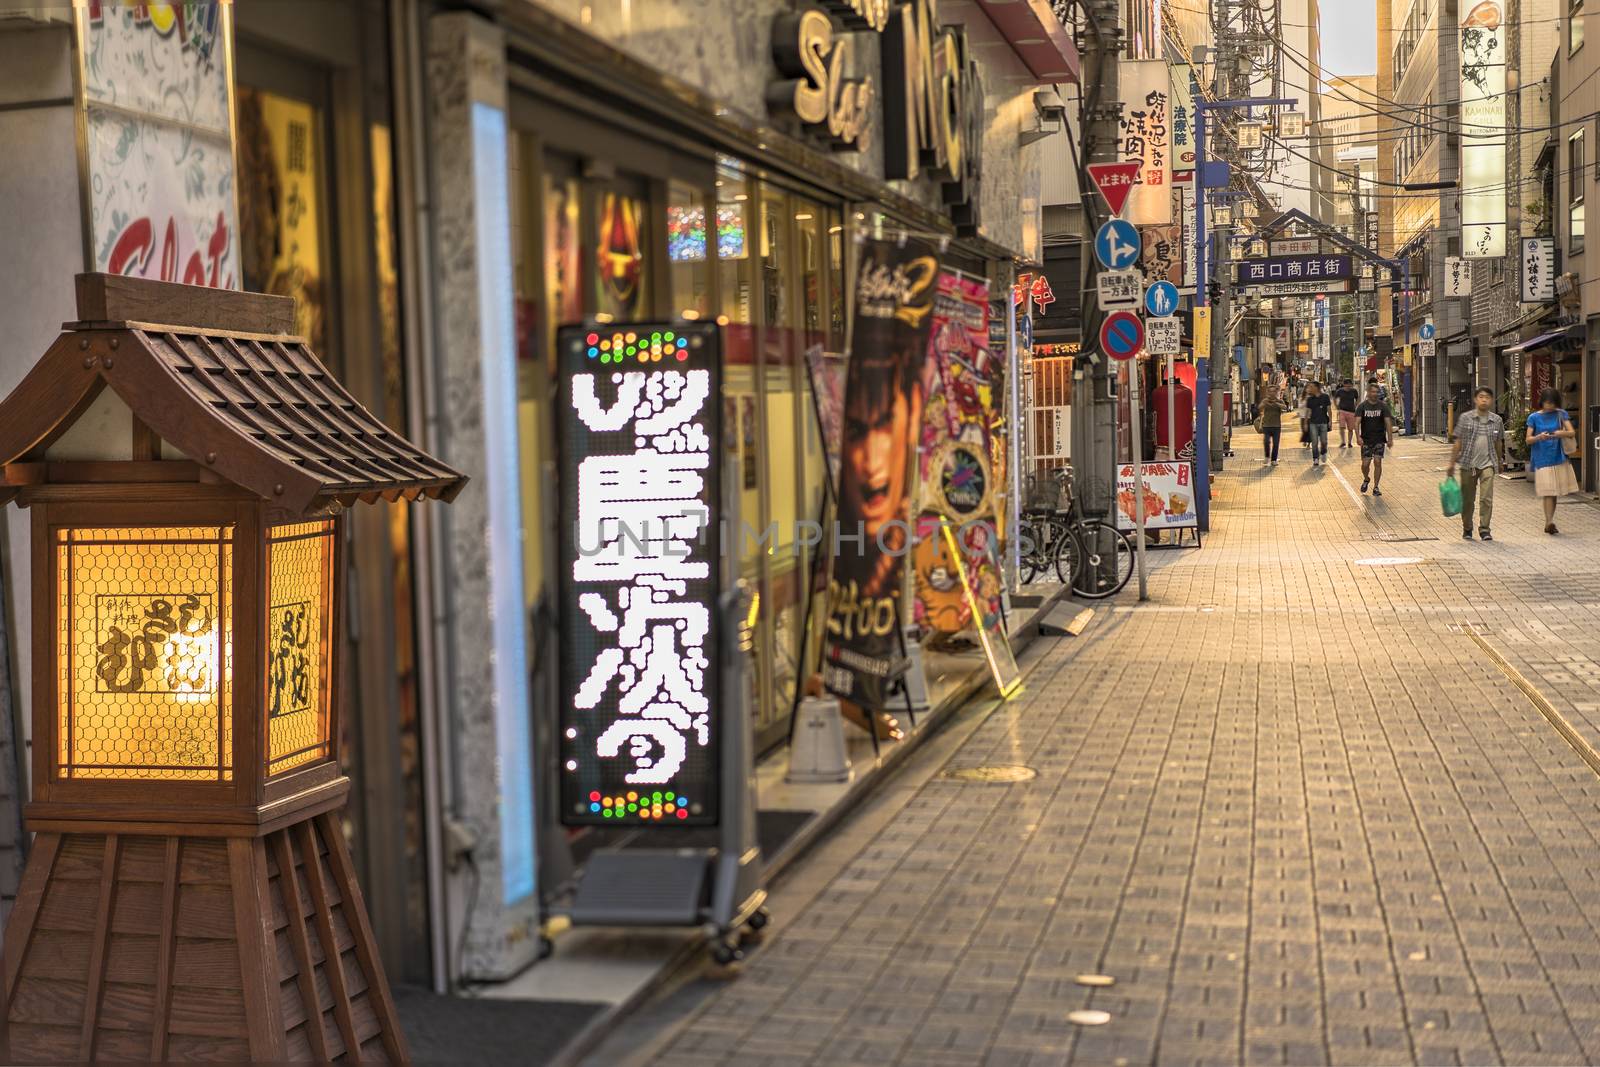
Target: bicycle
[1092, 556]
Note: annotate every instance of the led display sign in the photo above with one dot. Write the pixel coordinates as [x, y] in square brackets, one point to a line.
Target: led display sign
[639, 424]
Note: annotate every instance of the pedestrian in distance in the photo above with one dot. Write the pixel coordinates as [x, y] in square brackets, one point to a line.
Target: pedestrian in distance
[1304, 414]
[1272, 409]
[1319, 409]
[1345, 399]
[1377, 435]
[1479, 452]
[1549, 429]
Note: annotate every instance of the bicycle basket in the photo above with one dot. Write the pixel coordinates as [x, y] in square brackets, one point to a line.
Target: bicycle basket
[1044, 495]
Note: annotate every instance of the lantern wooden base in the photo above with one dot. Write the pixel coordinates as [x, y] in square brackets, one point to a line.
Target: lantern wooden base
[139, 946]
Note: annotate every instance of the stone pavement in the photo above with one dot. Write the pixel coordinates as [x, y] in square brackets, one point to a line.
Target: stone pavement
[1296, 805]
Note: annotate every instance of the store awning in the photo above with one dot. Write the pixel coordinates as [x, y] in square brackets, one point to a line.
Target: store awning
[1541, 341]
[1038, 38]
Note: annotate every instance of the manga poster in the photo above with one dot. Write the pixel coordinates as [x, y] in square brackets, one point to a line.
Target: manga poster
[883, 407]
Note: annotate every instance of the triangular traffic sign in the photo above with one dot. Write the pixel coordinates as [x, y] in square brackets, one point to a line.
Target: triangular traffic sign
[1115, 181]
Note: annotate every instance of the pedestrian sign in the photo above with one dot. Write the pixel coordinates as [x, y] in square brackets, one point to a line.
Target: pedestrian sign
[1117, 245]
[1161, 299]
[1122, 335]
[1163, 336]
[1120, 290]
[1428, 331]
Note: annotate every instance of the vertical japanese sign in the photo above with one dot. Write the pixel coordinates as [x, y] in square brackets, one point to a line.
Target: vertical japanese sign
[1457, 276]
[1184, 88]
[158, 124]
[1191, 237]
[884, 392]
[1538, 269]
[1162, 257]
[1146, 134]
[1483, 132]
[639, 420]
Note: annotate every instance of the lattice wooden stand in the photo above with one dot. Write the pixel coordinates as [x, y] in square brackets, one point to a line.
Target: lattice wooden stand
[189, 894]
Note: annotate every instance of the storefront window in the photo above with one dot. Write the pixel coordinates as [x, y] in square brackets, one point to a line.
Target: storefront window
[689, 234]
[563, 270]
[622, 238]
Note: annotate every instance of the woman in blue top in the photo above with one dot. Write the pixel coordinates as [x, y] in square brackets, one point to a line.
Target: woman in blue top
[1552, 474]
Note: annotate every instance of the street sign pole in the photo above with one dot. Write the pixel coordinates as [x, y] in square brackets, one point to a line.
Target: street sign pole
[1172, 407]
[1135, 410]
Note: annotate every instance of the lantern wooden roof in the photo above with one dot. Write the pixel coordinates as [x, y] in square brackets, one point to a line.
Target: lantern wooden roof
[219, 376]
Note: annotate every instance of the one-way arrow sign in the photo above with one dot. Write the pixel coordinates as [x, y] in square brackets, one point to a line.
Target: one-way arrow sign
[1115, 181]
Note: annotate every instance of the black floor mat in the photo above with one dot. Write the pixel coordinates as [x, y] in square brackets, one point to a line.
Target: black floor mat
[773, 831]
[478, 1030]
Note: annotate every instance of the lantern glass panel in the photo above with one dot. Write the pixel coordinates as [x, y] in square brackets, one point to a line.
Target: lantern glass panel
[299, 644]
[144, 661]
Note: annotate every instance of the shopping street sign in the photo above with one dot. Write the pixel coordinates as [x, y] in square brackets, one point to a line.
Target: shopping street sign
[1283, 269]
[1299, 289]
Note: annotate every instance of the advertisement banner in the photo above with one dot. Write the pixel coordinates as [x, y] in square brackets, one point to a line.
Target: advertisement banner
[1168, 496]
[884, 395]
[1483, 131]
[1146, 139]
[1163, 252]
[159, 141]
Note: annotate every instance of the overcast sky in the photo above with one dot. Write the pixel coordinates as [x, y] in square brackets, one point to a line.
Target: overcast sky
[1349, 37]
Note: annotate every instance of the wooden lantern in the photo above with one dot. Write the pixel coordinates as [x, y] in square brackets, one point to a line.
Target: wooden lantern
[189, 893]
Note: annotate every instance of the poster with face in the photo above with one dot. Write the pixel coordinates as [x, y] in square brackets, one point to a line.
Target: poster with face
[883, 402]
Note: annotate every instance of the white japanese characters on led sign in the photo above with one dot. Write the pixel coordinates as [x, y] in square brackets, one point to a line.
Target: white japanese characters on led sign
[640, 436]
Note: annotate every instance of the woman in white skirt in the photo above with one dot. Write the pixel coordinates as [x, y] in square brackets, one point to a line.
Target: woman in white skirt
[1548, 429]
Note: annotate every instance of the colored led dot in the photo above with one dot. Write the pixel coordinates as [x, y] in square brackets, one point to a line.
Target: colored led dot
[594, 807]
[593, 338]
[671, 808]
[633, 807]
[656, 796]
[682, 814]
[668, 335]
[594, 796]
[632, 795]
[682, 355]
[593, 352]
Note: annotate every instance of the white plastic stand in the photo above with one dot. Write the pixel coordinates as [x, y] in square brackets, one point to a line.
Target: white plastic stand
[818, 753]
[916, 679]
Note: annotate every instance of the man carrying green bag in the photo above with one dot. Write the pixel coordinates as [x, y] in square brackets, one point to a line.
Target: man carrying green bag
[1479, 451]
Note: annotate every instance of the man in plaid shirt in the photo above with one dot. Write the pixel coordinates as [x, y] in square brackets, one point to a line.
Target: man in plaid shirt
[1479, 450]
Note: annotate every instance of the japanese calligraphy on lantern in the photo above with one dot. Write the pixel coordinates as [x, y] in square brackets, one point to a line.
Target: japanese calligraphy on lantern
[1146, 139]
[291, 630]
[1483, 131]
[155, 643]
[641, 458]
[1538, 269]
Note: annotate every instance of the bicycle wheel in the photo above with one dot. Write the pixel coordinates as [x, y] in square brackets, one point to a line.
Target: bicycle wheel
[1068, 553]
[1108, 561]
[1031, 561]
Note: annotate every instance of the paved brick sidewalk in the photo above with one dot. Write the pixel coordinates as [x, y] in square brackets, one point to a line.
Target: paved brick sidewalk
[1293, 805]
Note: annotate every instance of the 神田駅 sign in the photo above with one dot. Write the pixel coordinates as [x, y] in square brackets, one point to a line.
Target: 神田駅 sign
[640, 432]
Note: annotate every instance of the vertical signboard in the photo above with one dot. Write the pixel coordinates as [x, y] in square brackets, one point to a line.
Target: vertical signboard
[158, 129]
[1483, 131]
[1457, 276]
[1538, 269]
[639, 424]
[1146, 135]
[1191, 238]
[1162, 254]
[1183, 94]
[884, 394]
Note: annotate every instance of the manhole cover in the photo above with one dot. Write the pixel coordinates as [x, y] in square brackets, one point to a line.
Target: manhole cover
[990, 773]
[1387, 561]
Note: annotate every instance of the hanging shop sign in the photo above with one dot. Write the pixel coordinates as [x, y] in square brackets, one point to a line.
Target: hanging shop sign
[933, 107]
[1538, 269]
[1483, 131]
[884, 395]
[1146, 139]
[1191, 244]
[1294, 269]
[1300, 288]
[814, 89]
[1184, 89]
[1163, 254]
[1202, 333]
[1457, 276]
[639, 424]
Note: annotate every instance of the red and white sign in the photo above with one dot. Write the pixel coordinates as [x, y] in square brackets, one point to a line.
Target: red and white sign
[1122, 335]
[1115, 181]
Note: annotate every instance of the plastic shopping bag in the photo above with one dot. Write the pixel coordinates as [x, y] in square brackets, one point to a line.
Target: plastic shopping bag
[1450, 496]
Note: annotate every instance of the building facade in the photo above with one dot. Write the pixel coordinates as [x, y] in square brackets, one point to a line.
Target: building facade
[1567, 361]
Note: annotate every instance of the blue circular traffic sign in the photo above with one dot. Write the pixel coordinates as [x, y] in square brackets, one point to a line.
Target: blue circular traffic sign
[1427, 331]
[1122, 335]
[1117, 245]
[1161, 299]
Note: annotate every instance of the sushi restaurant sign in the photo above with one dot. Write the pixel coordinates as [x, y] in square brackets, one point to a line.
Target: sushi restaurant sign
[932, 91]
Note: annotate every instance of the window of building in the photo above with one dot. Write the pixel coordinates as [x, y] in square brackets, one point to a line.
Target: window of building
[1574, 26]
[1575, 190]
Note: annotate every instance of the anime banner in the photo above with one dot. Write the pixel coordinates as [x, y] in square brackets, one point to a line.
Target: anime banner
[863, 651]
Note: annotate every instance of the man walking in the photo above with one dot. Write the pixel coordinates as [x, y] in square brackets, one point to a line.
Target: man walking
[1345, 398]
[1377, 434]
[1479, 451]
[1317, 408]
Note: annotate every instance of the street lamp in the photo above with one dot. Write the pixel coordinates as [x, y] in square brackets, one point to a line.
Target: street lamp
[188, 583]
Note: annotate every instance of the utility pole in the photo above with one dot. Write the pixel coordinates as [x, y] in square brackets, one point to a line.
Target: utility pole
[1094, 423]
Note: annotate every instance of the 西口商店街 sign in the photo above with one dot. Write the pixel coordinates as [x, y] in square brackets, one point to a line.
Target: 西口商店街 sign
[1293, 269]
